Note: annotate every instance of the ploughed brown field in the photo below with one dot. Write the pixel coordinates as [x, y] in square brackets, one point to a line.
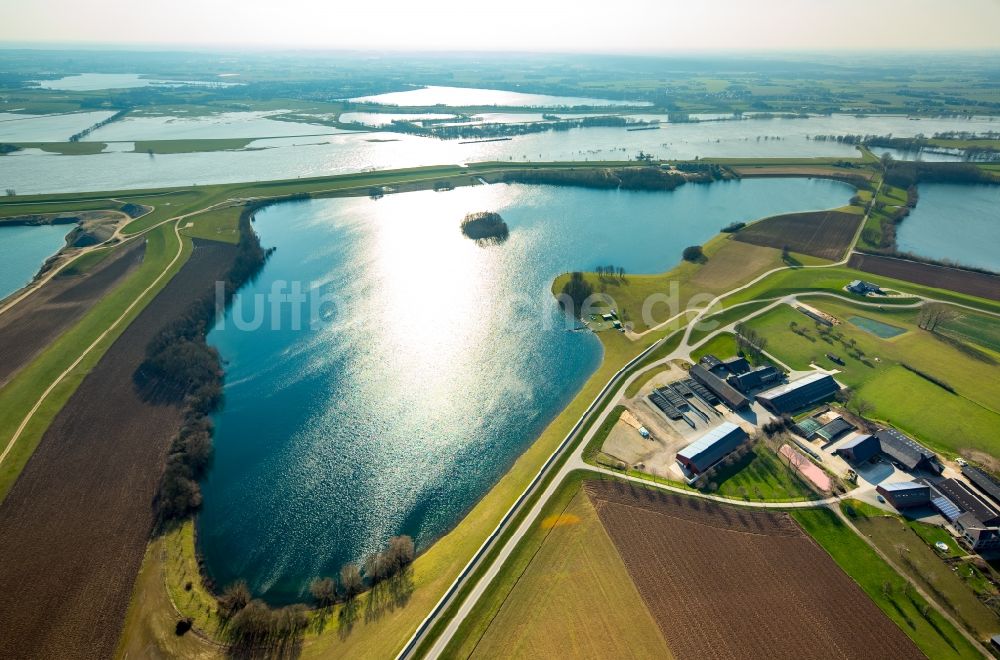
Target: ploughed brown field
[729, 582]
[74, 527]
[983, 285]
[34, 323]
[823, 234]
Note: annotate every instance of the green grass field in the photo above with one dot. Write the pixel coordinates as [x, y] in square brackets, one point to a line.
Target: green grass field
[66, 148]
[762, 476]
[722, 346]
[190, 146]
[947, 422]
[935, 636]
[85, 262]
[918, 561]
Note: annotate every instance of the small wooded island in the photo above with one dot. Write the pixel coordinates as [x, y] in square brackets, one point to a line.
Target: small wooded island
[485, 227]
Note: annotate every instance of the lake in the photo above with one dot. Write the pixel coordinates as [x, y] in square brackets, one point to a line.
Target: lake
[37, 172]
[89, 82]
[960, 223]
[444, 361]
[469, 96]
[23, 250]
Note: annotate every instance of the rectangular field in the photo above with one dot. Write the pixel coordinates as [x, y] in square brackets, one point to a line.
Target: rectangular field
[939, 277]
[575, 599]
[728, 582]
[823, 234]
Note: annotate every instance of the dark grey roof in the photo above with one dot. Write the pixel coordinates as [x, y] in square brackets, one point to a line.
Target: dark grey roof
[834, 429]
[720, 388]
[966, 500]
[860, 448]
[752, 380]
[907, 452]
[710, 361]
[737, 365]
[800, 393]
[984, 481]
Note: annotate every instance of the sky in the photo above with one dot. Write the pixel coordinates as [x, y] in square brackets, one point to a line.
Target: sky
[647, 26]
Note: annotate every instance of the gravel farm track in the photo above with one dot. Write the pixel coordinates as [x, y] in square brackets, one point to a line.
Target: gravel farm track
[729, 582]
[74, 527]
[29, 327]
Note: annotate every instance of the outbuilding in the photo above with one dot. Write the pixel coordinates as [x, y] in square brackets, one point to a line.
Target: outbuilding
[859, 449]
[720, 388]
[711, 448]
[905, 494]
[799, 394]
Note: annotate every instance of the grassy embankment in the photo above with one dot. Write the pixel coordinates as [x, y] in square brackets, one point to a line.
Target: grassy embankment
[63, 148]
[949, 422]
[914, 554]
[935, 636]
[19, 395]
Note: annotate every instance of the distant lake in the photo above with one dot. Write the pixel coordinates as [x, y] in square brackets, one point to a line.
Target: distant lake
[960, 223]
[341, 153]
[468, 96]
[23, 250]
[447, 362]
[88, 82]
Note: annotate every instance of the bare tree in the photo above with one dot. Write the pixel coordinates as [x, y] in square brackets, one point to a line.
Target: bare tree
[350, 581]
[234, 598]
[324, 591]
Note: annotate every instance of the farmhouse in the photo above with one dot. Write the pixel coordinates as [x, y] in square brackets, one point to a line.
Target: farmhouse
[860, 449]
[711, 448]
[720, 388]
[981, 538]
[908, 453]
[863, 288]
[754, 380]
[799, 394]
[905, 494]
[985, 482]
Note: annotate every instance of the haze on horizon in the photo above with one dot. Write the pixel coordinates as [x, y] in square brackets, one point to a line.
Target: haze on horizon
[638, 26]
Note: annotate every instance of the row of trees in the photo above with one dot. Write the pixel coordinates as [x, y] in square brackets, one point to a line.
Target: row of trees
[76, 137]
[250, 625]
[750, 342]
[379, 566]
[180, 367]
[610, 272]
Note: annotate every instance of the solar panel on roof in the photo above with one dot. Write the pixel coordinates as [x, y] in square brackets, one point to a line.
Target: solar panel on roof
[946, 507]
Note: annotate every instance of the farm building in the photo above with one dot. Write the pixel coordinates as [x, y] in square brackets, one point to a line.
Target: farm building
[754, 380]
[799, 394]
[713, 364]
[910, 454]
[905, 494]
[962, 497]
[980, 537]
[860, 449]
[711, 448]
[814, 429]
[737, 365]
[863, 288]
[985, 482]
[720, 388]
